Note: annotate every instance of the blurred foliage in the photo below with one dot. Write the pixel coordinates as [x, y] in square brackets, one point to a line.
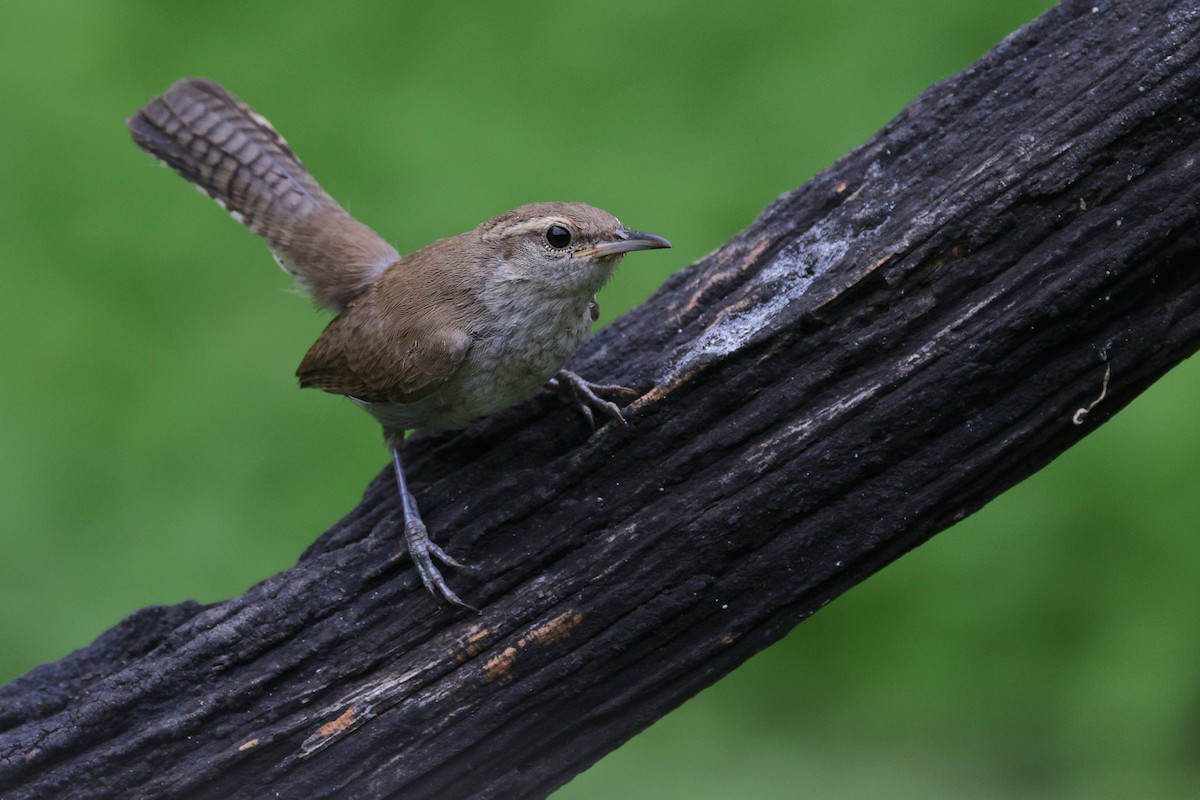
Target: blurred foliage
[155, 447]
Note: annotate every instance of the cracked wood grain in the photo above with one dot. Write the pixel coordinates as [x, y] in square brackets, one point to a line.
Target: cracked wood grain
[880, 353]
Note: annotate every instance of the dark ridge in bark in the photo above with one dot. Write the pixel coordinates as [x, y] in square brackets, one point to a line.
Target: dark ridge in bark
[880, 353]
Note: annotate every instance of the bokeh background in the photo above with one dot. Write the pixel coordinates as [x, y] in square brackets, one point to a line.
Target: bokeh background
[154, 448]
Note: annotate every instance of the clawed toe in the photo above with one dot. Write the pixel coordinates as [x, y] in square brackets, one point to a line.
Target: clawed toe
[423, 551]
[588, 397]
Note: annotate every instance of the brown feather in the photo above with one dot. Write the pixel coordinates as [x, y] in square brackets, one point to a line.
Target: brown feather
[404, 337]
[233, 154]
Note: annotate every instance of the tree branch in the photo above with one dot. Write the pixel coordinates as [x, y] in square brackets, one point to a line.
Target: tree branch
[882, 352]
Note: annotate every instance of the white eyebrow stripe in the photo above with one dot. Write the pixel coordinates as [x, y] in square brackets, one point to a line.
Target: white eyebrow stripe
[533, 225]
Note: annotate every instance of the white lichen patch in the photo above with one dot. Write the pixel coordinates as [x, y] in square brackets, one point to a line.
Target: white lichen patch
[787, 277]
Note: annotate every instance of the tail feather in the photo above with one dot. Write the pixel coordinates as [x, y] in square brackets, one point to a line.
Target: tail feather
[233, 154]
[229, 152]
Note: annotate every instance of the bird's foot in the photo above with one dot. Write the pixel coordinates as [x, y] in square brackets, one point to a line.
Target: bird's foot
[590, 397]
[423, 550]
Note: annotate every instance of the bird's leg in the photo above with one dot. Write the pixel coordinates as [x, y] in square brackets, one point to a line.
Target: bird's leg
[589, 397]
[422, 549]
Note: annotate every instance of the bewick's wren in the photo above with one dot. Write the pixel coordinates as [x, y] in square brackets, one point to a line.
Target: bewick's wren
[459, 329]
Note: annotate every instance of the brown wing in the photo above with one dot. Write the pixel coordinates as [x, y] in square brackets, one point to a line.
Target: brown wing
[380, 358]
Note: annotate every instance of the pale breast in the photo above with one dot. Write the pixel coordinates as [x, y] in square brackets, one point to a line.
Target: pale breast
[507, 362]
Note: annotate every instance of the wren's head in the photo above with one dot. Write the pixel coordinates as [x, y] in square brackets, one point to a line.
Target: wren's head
[565, 249]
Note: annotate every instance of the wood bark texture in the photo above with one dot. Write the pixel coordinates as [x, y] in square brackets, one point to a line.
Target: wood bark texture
[880, 353]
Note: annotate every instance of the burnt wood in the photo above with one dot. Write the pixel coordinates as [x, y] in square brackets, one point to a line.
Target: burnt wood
[880, 353]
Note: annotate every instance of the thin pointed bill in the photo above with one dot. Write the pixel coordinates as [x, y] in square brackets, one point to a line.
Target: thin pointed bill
[624, 242]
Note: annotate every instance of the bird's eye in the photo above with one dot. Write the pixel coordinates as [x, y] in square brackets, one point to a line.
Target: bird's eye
[558, 237]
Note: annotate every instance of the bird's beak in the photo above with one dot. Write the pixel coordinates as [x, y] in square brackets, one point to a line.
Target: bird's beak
[623, 242]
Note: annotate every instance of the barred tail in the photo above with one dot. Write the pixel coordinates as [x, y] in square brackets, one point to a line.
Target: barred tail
[233, 154]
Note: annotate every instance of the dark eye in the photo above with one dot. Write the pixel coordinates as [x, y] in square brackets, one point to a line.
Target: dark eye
[558, 237]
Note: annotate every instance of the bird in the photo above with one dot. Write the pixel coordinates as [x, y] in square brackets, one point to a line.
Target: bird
[432, 340]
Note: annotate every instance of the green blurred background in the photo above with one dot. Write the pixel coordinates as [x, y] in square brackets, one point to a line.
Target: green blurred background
[155, 447]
